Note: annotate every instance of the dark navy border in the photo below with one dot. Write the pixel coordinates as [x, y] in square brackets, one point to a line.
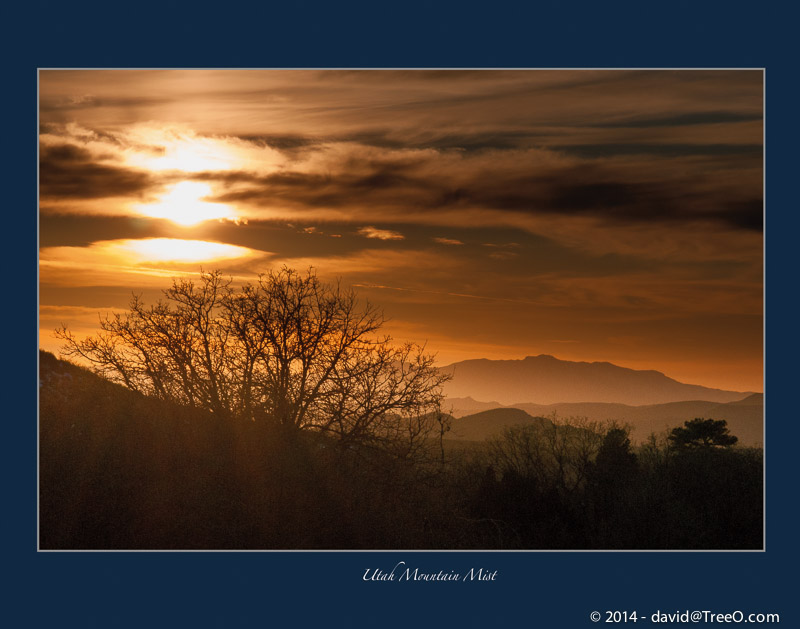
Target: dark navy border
[309, 589]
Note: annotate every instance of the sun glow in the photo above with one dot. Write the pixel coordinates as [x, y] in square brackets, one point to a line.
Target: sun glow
[109, 259]
[142, 261]
[183, 204]
[179, 150]
[177, 250]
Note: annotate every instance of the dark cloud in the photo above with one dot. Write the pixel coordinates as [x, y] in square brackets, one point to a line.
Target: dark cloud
[72, 172]
[407, 140]
[385, 183]
[436, 76]
[666, 149]
[681, 120]
[280, 142]
[543, 137]
[443, 141]
[575, 191]
[595, 196]
[408, 185]
[747, 214]
[633, 202]
[81, 230]
[89, 101]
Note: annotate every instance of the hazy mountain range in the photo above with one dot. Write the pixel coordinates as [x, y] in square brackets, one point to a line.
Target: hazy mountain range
[487, 396]
[525, 380]
[476, 421]
[547, 380]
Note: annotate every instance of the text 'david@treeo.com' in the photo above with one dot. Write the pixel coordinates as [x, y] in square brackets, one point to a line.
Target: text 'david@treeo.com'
[684, 616]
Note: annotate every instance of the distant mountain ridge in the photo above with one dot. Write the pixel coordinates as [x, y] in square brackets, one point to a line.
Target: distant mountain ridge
[545, 379]
[474, 420]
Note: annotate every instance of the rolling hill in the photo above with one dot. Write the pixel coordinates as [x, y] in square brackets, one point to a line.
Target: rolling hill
[489, 423]
[745, 417]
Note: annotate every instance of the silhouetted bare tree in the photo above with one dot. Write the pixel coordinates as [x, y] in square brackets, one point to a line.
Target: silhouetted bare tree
[558, 454]
[286, 349]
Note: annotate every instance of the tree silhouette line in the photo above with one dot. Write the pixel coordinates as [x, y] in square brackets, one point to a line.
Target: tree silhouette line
[582, 484]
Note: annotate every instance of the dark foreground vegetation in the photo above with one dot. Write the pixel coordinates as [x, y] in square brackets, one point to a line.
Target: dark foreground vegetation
[273, 414]
[123, 470]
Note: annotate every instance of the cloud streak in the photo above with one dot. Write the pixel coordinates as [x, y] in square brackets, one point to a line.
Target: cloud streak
[380, 234]
[67, 171]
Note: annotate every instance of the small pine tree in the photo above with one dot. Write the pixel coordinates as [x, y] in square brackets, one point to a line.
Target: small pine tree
[702, 433]
[615, 459]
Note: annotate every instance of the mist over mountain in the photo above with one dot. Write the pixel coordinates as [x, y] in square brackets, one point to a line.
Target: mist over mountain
[545, 379]
[476, 420]
[491, 423]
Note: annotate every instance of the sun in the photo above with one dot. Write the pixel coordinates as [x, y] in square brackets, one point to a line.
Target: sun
[183, 204]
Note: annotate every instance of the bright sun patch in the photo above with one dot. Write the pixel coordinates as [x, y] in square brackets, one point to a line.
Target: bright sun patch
[176, 250]
[183, 204]
[114, 257]
[180, 150]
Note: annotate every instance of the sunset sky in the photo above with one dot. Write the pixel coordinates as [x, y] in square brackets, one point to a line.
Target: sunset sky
[592, 215]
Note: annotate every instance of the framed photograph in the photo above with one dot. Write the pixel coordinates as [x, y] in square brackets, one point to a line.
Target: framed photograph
[401, 309]
[417, 334]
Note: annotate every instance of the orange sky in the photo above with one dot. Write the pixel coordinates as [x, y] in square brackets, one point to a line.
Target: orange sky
[591, 215]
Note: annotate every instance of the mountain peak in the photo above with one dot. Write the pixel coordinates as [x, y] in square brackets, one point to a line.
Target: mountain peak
[545, 379]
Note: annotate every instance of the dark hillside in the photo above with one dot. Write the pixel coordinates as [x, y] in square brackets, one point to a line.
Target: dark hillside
[492, 423]
[120, 470]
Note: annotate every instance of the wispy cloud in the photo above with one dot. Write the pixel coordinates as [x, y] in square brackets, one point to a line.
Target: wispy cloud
[380, 234]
